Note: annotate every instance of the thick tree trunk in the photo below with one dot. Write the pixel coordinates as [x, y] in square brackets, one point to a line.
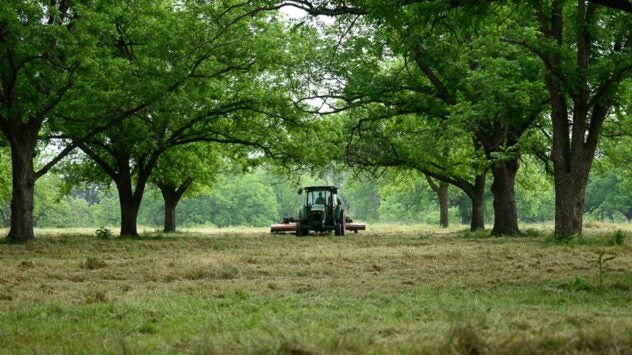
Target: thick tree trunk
[129, 202]
[478, 204]
[172, 195]
[171, 199]
[22, 153]
[442, 193]
[129, 214]
[570, 191]
[170, 216]
[505, 211]
[478, 214]
[576, 129]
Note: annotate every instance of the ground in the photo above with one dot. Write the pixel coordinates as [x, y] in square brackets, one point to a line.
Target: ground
[409, 290]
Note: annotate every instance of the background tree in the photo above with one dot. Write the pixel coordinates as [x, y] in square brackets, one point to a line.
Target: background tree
[395, 57]
[185, 170]
[228, 95]
[585, 49]
[58, 72]
[42, 47]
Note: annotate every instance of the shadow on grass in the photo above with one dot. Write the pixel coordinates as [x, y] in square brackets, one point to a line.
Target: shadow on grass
[528, 233]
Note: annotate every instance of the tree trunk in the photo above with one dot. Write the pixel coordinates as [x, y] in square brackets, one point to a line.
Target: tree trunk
[22, 153]
[570, 190]
[628, 215]
[476, 193]
[576, 129]
[172, 195]
[505, 212]
[171, 199]
[441, 190]
[129, 213]
[478, 214]
[442, 193]
[170, 216]
[129, 202]
[478, 204]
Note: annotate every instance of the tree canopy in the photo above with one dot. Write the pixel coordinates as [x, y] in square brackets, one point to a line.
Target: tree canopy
[500, 100]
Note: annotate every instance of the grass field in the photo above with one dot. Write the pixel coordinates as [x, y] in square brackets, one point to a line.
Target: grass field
[409, 290]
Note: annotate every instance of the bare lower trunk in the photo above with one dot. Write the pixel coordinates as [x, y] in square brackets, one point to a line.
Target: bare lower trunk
[478, 204]
[171, 199]
[22, 198]
[569, 205]
[170, 216]
[441, 189]
[129, 215]
[130, 205]
[442, 193]
[478, 214]
[22, 153]
[172, 194]
[505, 212]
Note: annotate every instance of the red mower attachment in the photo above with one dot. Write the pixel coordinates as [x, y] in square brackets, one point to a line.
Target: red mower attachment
[285, 226]
[354, 227]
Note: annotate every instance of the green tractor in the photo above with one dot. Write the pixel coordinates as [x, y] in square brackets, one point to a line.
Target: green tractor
[322, 211]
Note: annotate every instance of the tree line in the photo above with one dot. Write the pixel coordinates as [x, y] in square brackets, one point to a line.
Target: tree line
[170, 92]
[258, 198]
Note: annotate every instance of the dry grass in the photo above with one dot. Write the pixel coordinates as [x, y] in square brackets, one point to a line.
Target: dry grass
[408, 289]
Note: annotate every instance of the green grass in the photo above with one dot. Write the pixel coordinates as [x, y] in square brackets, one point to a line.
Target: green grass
[403, 289]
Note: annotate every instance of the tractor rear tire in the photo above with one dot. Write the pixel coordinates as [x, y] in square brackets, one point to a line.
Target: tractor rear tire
[339, 228]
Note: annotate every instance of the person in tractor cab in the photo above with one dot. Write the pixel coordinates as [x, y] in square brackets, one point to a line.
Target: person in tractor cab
[320, 199]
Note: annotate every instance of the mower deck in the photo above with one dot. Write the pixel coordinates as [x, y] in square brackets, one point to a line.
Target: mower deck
[285, 227]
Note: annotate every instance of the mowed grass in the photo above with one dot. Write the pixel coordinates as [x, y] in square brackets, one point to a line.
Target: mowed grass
[392, 289]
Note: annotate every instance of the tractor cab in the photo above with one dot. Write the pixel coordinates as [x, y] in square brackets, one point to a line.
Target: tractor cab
[321, 212]
[321, 195]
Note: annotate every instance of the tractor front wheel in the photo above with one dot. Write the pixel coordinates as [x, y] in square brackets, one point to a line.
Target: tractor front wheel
[300, 231]
[339, 228]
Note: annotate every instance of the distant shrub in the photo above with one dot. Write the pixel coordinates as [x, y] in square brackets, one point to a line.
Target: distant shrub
[617, 238]
[103, 233]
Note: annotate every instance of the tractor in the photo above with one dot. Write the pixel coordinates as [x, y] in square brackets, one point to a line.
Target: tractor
[322, 211]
